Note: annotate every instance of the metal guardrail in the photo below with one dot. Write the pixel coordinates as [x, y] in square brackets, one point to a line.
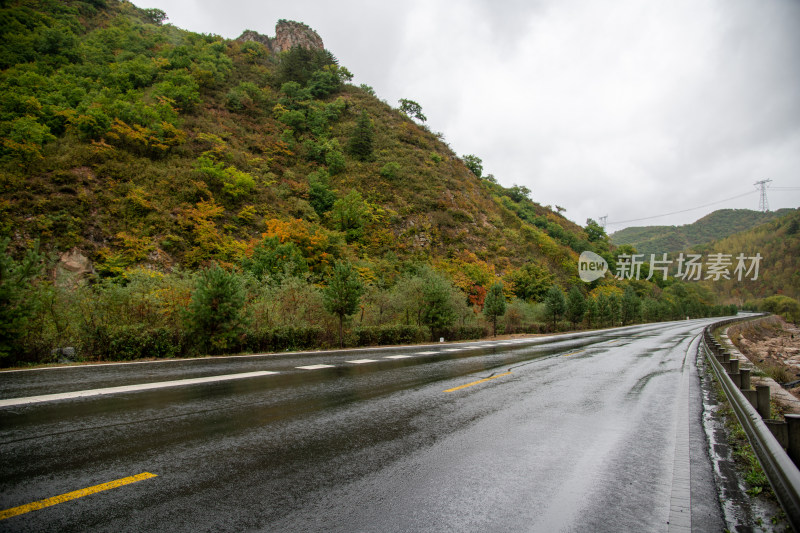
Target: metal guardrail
[783, 475]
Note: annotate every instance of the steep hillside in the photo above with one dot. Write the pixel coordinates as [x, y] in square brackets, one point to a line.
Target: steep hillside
[128, 142]
[164, 193]
[778, 242]
[714, 226]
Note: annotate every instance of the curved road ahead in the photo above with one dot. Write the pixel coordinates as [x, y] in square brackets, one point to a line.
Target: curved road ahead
[598, 431]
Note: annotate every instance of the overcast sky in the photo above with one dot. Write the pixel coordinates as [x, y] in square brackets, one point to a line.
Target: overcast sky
[625, 108]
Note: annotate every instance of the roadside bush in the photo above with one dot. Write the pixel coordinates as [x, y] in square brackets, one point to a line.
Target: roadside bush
[388, 334]
[464, 333]
[288, 338]
[787, 307]
[139, 342]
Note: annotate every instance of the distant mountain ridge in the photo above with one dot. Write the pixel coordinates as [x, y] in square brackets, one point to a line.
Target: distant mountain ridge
[714, 226]
[778, 243]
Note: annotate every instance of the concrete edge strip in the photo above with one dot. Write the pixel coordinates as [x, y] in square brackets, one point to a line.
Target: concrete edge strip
[10, 402]
[680, 505]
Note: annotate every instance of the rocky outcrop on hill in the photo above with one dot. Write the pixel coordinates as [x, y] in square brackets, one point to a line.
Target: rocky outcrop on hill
[288, 34]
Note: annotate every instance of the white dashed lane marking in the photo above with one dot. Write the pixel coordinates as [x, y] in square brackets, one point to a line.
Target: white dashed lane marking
[397, 357]
[130, 388]
[427, 353]
[452, 349]
[362, 361]
[315, 367]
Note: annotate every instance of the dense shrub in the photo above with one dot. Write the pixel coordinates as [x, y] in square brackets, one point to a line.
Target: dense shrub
[464, 333]
[388, 334]
[139, 342]
[287, 338]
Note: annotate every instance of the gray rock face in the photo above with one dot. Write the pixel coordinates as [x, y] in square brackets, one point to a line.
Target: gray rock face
[72, 267]
[288, 34]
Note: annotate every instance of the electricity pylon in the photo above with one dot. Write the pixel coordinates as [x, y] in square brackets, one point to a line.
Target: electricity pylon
[763, 204]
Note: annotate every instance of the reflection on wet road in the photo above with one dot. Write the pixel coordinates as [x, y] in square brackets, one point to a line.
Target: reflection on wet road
[573, 432]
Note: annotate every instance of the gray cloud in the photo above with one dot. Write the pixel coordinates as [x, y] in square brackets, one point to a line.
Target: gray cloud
[624, 108]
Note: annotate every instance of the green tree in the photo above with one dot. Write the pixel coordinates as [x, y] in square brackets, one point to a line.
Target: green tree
[274, 260]
[576, 306]
[519, 193]
[603, 310]
[595, 231]
[555, 303]
[412, 109]
[216, 316]
[494, 305]
[530, 282]
[474, 163]
[18, 301]
[349, 215]
[390, 170]
[614, 309]
[630, 306]
[154, 15]
[438, 312]
[299, 64]
[787, 307]
[320, 195]
[343, 294]
[362, 139]
[592, 312]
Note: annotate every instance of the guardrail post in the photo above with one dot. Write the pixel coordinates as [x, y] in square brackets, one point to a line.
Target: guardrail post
[780, 430]
[745, 372]
[752, 397]
[734, 366]
[793, 441]
[762, 402]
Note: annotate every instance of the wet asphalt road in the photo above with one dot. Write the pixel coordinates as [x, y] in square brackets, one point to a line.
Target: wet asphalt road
[571, 433]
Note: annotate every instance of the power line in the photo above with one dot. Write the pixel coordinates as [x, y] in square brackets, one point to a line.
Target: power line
[682, 210]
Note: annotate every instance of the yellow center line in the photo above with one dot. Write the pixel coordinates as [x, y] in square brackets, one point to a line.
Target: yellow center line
[573, 353]
[41, 504]
[477, 382]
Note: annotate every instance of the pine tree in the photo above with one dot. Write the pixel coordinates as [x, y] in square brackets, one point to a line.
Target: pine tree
[630, 306]
[18, 302]
[555, 303]
[592, 312]
[576, 306]
[216, 315]
[361, 143]
[343, 294]
[603, 310]
[494, 305]
[438, 312]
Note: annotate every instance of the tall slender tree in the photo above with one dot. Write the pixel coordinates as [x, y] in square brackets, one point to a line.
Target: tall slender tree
[362, 141]
[494, 305]
[576, 306]
[343, 294]
[216, 314]
[555, 303]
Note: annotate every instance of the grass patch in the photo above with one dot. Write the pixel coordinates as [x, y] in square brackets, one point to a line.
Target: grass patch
[745, 459]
